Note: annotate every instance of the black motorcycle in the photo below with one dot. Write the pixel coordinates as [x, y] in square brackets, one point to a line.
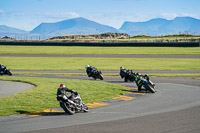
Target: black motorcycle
[128, 75]
[72, 105]
[94, 73]
[145, 82]
[97, 75]
[6, 72]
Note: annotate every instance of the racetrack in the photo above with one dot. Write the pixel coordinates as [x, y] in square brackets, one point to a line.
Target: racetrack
[173, 108]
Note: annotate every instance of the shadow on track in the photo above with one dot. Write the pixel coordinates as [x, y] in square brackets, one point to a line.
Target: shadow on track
[42, 113]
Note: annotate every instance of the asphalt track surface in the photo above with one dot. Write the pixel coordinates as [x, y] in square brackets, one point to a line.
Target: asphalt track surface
[173, 108]
[108, 71]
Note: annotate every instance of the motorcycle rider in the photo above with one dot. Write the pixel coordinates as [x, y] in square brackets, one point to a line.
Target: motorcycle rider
[62, 91]
[122, 72]
[140, 79]
[126, 73]
[90, 70]
[2, 68]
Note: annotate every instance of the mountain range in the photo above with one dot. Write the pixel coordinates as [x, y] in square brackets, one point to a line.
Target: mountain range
[72, 26]
[161, 26]
[7, 31]
[82, 26]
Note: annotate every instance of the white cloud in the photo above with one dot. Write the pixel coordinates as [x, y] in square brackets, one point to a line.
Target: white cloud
[168, 16]
[171, 16]
[71, 14]
[1, 12]
[58, 14]
[54, 16]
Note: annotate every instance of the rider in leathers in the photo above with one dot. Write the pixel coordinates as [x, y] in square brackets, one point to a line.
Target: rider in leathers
[139, 79]
[2, 68]
[62, 91]
[89, 70]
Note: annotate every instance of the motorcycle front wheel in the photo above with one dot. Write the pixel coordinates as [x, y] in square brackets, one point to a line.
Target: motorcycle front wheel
[86, 109]
[100, 77]
[9, 73]
[150, 88]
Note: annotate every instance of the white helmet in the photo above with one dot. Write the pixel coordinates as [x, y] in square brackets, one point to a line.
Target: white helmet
[121, 68]
[87, 66]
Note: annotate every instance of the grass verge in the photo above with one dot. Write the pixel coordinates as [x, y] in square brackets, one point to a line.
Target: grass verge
[43, 96]
[99, 50]
[67, 63]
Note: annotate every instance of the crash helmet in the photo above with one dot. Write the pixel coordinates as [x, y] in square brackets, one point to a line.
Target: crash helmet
[121, 68]
[62, 86]
[138, 74]
[87, 66]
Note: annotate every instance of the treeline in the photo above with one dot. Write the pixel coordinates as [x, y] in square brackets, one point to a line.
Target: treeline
[115, 38]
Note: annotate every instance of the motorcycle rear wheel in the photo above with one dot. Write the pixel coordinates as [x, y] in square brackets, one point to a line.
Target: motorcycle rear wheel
[68, 109]
[9, 73]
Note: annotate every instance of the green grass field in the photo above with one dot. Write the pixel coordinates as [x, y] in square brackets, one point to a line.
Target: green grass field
[99, 50]
[67, 63]
[43, 96]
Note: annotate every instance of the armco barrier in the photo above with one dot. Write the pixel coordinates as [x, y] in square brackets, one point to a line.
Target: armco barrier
[146, 44]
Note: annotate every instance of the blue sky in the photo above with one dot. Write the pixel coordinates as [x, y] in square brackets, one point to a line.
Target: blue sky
[27, 14]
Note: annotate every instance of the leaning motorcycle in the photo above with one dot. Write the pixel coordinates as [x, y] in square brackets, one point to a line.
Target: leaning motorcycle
[128, 75]
[97, 75]
[145, 82]
[72, 106]
[5, 71]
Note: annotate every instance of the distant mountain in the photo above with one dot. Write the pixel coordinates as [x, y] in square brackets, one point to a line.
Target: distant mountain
[7, 31]
[72, 26]
[82, 26]
[162, 26]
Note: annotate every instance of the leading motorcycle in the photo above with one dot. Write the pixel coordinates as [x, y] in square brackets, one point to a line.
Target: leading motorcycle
[145, 82]
[72, 105]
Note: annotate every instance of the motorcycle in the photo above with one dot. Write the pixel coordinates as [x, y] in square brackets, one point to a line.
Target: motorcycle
[5, 71]
[97, 75]
[128, 75]
[72, 105]
[145, 82]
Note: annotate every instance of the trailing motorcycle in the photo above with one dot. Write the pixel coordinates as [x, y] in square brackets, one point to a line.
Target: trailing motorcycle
[128, 75]
[97, 75]
[145, 82]
[72, 105]
[93, 72]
